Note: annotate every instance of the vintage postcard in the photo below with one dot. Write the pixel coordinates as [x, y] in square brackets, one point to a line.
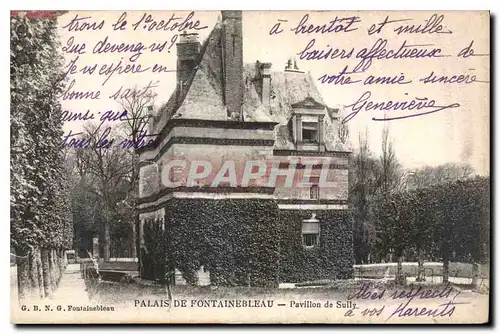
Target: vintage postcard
[261, 167]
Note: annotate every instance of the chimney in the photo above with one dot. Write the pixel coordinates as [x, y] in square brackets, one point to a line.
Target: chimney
[291, 66]
[232, 53]
[151, 119]
[188, 50]
[265, 76]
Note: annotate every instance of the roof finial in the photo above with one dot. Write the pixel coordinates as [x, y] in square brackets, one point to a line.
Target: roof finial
[295, 67]
[289, 64]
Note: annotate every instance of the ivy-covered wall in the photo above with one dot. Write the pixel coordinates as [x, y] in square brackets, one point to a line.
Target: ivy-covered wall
[250, 242]
[333, 258]
[235, 239]
[152, 256]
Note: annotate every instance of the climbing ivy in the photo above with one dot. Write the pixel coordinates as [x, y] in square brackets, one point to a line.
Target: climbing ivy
[332, 258]
[41, 222]
[235, 239]
[250, 242]
[39, 205]
[153, 255]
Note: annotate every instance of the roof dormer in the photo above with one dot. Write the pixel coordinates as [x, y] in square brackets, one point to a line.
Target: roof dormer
[307, 125]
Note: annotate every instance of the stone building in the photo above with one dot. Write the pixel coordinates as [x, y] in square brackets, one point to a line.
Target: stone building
[225, 110]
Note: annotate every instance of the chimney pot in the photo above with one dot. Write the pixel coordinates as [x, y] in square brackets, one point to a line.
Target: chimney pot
[265, 69]
[188, 38]
[231, 14]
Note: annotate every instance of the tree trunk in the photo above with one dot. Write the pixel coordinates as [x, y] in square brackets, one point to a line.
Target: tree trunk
[23, 282]
[446, 267]
[399, 270]
[64, 260]
[134, 237]
[38, 257]
[107, 241]
[58, 265]
[475, 275]
[420, 269]
[57, 272]
[53, 278]
[33, 275]
[47, 283]
[62, 263]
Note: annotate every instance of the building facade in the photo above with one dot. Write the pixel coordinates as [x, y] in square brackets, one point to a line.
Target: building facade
[253, 233]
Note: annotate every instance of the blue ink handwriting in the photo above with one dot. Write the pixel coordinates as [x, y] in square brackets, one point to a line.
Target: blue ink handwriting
[71, 94]
[416, 104]
[149, 23]
[336, 25]
[80, 24]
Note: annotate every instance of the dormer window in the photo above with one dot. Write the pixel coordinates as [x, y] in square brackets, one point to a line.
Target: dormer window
[310, 132]
[307, 125]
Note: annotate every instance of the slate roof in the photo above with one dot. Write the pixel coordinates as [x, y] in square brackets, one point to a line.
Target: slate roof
[287, 88]
[202, 98]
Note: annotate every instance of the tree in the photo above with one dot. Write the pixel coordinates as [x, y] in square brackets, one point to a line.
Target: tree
[107, 172]
[362, 188]
[429, 175]
[425, 177]
[85, 206]
[389, 179]
[448, 220]
[139, 107]
[40, 217]
[390, 171]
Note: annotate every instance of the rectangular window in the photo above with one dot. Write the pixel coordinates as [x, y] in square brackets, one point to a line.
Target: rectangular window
[176, 174]
[310, 132]
[310, 240]
[314, 190]
[310, 233]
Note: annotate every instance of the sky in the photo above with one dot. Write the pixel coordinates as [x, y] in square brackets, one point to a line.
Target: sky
[458, 134]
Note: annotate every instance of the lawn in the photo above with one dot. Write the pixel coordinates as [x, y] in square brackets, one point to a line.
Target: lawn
[410, 269]
[111, 292]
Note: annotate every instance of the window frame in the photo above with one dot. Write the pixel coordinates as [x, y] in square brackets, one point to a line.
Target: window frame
[316, 239]
[308, 127]
[314, 189]
[311, 220]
